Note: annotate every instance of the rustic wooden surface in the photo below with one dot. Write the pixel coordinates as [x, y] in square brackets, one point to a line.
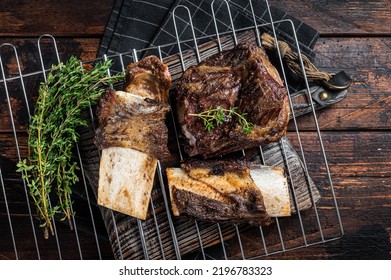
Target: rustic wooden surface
[355, 37]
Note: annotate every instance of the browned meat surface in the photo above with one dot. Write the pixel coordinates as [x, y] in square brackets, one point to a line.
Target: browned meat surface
[216, 191]
[149, 78]
[128, 121]
[216, 166]
[132, 135]
[135, 118]
[244, 78]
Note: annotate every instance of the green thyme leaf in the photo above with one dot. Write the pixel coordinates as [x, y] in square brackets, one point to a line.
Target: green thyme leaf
[215, 117]
[50, 169]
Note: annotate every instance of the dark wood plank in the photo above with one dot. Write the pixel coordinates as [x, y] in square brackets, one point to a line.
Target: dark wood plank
[28, 54]
[27, 48]
[334, 17]
[69, 247]
[366, 60]
[28, 18]
[349, 154]
[361, 174]
[360, 169]
[356, 132]
[364, 205]
[70, 18]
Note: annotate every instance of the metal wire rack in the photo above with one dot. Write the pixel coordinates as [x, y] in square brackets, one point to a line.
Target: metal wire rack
[162, 236]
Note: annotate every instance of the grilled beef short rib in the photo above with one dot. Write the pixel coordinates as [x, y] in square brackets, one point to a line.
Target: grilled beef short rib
[132, 135]
[216, 191]
[135, 118]
[242, 77]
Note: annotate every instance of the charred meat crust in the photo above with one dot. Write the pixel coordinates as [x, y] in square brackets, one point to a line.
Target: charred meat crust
[217, 191]
[241, 208]
[242, 77]
[135, 118]
[217, 166]
[149, 78]
[132, 122]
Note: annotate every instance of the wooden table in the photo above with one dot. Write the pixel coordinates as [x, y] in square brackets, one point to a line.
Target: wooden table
[355, 36]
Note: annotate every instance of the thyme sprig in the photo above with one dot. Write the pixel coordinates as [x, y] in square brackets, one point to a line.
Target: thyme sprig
[50, 168]
[214, 117]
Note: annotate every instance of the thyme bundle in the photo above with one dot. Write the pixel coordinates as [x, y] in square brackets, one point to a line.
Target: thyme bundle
[50, 169]
[213, 117]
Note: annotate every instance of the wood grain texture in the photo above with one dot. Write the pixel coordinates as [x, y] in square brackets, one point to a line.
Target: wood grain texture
[334, 17]
[361, 174]
[88, 18]
[356, 132]
[59, 18]
[366, 60]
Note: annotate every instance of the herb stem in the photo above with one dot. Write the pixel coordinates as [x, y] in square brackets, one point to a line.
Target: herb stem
[44, 195]
[214, 117]
[52, 134]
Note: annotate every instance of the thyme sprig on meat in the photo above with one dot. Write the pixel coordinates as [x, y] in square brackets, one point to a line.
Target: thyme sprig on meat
[214, 117]
[50, 168]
